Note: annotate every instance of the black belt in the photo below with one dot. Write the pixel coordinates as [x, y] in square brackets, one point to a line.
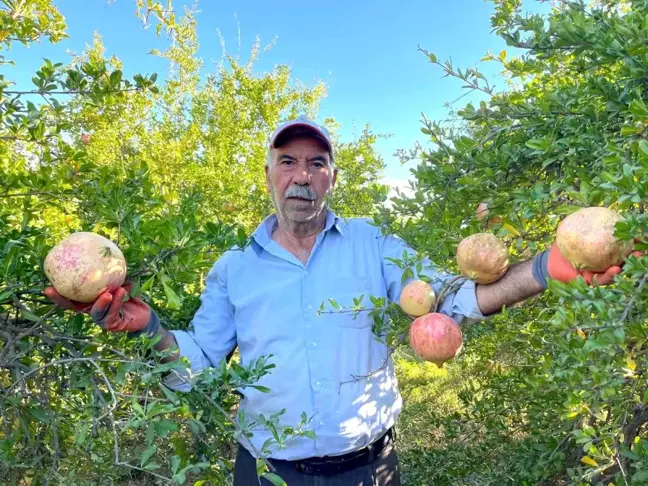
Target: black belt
[331, 465]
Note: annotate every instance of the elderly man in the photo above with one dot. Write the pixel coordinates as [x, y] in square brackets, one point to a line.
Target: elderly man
[265, 298]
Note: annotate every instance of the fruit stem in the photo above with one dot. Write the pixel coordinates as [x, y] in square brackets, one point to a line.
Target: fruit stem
[449, 286]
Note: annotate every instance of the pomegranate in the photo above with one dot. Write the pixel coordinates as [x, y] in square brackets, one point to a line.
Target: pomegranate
[482, 211]
[84, 265]
[586, 239]
[482, 257]
[435, 337]
[417, 298]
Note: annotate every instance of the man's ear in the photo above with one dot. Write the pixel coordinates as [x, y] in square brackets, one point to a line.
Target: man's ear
[335, 173]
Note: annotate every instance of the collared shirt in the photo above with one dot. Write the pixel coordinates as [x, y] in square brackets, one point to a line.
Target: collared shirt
[266, 301]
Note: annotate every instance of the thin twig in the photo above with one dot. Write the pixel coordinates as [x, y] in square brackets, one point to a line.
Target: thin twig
[450, 286]
[623, 473]
[71, 92]
[27, 333]
[634, 297]
[226, 414]
[69, 360]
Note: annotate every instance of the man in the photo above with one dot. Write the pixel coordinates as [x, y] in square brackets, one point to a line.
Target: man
[265, 298]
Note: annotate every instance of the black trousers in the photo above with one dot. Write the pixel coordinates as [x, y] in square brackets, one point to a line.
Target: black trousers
[383, 471]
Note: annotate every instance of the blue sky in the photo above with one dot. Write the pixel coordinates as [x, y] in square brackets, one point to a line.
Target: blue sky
[365, 52]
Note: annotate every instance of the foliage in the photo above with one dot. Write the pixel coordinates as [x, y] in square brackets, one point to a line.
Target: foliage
[172, 171]
[554, 391]
[550, 392]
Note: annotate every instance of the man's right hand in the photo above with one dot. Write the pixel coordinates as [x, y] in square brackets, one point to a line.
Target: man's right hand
[112, 313]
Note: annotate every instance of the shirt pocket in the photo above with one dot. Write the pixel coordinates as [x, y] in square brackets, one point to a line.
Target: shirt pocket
[343, 291]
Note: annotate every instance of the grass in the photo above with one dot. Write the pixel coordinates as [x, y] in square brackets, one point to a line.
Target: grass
[429, 394]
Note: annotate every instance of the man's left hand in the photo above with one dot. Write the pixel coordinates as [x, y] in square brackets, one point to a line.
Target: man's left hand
[554, 265]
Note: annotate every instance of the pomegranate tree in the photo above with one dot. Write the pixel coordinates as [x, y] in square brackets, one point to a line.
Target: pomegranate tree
[84, 265]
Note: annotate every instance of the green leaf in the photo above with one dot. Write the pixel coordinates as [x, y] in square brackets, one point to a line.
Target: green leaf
[639, 109]
[175, 463]
[180, 477]
[138, 408]
[148, 284]
[274, 479]
[566, 209]
[334, 304]
[172, 298]
[630, 130]
[5, 294]
[164, 427]
[536, 144]
[147, 454]
[81, 434]
[39, 414]
[150, 432]
[30, 316]
[643, 146]
[136, 288]
[171, 395]
[197, 427]
[640, 476]
[261, 466]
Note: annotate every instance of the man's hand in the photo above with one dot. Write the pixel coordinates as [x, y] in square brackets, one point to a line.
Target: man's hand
[554, 265]
[112, 313]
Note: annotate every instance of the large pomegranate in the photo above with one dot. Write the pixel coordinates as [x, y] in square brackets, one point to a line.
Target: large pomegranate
[586, 239]
[417, 298]
[83, 265]
[482, 257]
[435, 337]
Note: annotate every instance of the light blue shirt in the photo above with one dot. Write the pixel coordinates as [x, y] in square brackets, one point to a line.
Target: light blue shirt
[265, 300]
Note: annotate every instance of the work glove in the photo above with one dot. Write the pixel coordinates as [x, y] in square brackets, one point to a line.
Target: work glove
[552, 264]
[112, 313]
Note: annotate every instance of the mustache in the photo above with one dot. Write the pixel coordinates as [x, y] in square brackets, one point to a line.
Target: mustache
[302, 192]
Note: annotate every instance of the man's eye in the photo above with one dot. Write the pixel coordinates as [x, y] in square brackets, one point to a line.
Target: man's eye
[286, 162]
[318, 164]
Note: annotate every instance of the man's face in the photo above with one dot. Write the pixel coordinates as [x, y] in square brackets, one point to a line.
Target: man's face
[300, 178]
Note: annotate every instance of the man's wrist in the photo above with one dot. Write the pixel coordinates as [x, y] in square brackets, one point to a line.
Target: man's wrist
[540, 268]
[151, 329]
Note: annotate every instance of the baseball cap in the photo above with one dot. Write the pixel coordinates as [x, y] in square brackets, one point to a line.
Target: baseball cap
[297, 126]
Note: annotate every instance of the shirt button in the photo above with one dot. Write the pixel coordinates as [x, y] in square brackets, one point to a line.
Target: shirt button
[314, 344]
[318, 384]
[321, 422]
[310, 307]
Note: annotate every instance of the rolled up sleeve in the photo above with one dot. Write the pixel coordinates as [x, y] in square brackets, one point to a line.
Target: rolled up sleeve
[212, 333]
[460, 304]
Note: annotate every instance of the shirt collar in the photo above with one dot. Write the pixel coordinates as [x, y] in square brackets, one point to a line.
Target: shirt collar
[263, 234]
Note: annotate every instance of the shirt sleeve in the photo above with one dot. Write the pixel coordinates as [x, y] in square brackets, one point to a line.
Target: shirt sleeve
[460, 305]
[212, 333]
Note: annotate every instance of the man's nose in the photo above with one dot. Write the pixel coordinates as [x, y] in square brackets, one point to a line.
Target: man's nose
[302, 176]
